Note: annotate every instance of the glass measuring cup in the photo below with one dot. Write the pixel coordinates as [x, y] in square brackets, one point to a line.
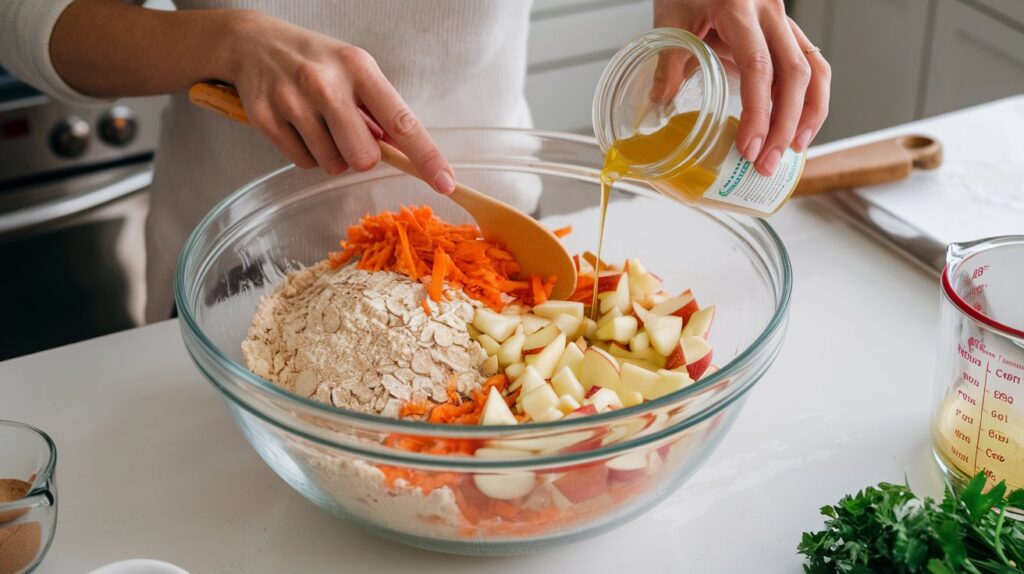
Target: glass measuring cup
[978, 415]
[28, 496]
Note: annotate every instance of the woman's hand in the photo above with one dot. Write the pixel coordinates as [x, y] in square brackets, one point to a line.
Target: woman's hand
[306, 92]
[784, 78]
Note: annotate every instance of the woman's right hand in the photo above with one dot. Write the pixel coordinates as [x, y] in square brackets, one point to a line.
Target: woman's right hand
[303, 91]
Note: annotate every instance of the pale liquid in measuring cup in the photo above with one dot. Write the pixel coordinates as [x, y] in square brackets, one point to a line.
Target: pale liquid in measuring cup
[979, 426]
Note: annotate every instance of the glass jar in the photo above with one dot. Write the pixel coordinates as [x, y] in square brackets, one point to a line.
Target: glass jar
[666, 111]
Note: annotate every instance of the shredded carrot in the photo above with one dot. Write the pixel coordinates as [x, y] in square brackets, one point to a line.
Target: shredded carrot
[414, 242]
[426, 307]
[562, 231]
[438, 275]
[538, 290]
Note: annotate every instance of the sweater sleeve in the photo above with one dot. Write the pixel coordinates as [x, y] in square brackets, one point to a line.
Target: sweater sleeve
[25, 30]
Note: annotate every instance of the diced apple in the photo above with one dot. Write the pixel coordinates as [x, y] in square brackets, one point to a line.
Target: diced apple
[630, 398]
[675, 359]
[552, 309]
[628, 467]
[582, 484]
[495, 411]
[572, 358]
[641, 313]
[613, 314]
[608, 281]
[539, 400]
[583, 411]
[511, 350]
[642, 363]
[548, 415]
[571, 326]
[535, 342]
[533, 323]
[599, 369]
[515, 370]
[567, 404]
[544, 362]
[682, 305]
[700, 323]
[488, 344]
[565, 383]
[589, 328]
[670, 382]
[619, 329]
[639, 380]
[619, 298]
[640, 342]
[474, 333]
[498, 326]
[640, 281]
[664, 333]
[507, 486]
[490, 366]
[604, 399]
[698, 355]
[529, 381]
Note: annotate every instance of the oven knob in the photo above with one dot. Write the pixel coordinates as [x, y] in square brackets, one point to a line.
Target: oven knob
[118, 126]
[70, 137]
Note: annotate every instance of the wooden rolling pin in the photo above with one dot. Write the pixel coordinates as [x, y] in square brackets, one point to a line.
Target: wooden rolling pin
[869, 164]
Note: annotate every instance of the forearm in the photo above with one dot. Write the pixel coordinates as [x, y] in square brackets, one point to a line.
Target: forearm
[109, 48]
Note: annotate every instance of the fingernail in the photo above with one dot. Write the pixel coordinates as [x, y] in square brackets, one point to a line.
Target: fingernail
[444, 183]
[771, 161]
[802, 139]
[753, 149]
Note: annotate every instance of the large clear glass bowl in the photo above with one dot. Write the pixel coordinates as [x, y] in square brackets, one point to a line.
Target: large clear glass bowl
[585, 470]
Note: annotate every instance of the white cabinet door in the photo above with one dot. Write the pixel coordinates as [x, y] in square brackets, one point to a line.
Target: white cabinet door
[876, 49]
[571, 41]
[974, 58]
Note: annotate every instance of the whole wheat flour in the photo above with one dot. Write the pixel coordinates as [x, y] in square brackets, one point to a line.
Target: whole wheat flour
[361, 340]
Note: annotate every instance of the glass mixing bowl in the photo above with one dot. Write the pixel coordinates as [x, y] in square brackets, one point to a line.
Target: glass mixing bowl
[590, 474]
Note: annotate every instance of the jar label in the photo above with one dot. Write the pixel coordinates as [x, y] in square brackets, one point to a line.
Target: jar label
[738, 183]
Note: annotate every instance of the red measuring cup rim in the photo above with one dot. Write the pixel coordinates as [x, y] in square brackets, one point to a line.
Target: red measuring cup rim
[970, 311]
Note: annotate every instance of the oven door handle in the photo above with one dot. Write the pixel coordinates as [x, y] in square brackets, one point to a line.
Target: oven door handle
[50, 211]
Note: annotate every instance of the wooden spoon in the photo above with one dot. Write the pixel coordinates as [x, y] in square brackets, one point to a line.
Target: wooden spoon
[869, 164]
[535, 247]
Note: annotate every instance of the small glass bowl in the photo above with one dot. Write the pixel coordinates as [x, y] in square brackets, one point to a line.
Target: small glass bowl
[586, 470]
[27, 455]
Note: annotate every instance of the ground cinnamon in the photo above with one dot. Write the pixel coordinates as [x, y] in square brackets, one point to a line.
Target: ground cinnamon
[19, 543]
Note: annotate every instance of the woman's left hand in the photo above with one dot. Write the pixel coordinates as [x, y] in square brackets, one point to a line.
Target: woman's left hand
[784, 78]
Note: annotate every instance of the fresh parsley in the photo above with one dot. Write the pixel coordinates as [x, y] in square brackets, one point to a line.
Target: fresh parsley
[887, 529]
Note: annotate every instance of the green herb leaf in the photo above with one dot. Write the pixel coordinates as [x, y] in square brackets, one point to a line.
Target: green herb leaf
[886, 528]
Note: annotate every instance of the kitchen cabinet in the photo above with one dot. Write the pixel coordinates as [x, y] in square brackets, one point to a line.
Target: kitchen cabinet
[570, 43]
[974, 57]
[898, 60]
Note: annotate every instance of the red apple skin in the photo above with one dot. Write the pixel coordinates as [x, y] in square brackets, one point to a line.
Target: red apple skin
[534, 350]
[697, 368]
[686, 310]
[664, 449]
[676, 359]
[585, 410]
[589, 394]
[608, 282]
[583, 484]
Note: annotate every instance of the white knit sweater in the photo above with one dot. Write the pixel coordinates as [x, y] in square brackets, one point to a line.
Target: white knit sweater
[456, 62]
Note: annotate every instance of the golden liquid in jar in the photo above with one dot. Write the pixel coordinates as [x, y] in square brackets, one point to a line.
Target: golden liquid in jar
[975, 436]
[688, 184]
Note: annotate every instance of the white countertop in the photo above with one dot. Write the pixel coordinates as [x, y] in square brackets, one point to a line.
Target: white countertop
[150, 464]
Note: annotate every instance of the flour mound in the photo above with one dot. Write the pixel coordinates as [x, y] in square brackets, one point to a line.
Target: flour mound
[362, 341]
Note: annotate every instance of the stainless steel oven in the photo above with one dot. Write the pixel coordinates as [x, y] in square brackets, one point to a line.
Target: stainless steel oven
[73, 206]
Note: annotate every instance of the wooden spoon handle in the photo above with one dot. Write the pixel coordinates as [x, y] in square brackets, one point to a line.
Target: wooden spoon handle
[878, 162]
